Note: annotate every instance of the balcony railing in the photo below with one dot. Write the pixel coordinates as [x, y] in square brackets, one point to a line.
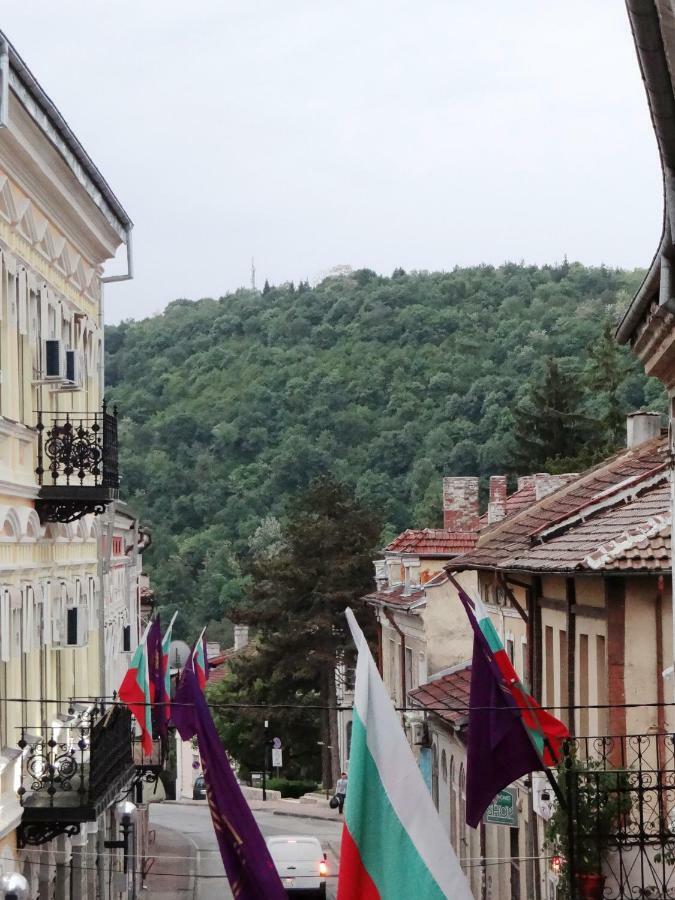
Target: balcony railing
[77, 463]
[70, 773]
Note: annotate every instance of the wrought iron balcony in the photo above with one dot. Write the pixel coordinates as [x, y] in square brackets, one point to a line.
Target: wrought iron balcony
[71, 773]
[77, 465]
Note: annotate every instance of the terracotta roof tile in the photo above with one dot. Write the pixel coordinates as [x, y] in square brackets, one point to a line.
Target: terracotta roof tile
[451, 690]
[520, 541]
[433, 542]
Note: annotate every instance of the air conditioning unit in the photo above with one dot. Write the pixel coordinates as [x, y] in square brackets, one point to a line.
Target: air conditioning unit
[54, 362]
[420, 734]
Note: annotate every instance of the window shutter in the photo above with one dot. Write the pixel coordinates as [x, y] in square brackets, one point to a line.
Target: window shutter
[5, 636]
[71, 626]
[23, 301]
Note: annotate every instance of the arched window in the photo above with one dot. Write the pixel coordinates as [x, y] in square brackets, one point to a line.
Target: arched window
[434, 775]
[349, 738]
[444, 767]
[453, 804]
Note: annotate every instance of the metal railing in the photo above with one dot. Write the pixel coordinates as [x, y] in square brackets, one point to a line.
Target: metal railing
[78, 449]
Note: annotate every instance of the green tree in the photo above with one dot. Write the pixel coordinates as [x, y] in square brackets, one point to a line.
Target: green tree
[297, 601]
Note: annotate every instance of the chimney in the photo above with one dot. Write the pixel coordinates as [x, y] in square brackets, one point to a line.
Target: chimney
[525, 481]
[642, 426]
[497, 504]
[240, 636]
[545, 484]
[381, 578]
[412, 575]
[460, 504]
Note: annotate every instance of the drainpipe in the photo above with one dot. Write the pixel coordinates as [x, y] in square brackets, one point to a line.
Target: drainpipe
[671, 445]
[4, 83]
[108, 279]
[390, 616]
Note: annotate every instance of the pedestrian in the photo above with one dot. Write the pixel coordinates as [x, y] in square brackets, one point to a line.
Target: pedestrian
[341, 790]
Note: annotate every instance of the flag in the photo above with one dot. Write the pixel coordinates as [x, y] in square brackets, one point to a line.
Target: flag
[200, 662]
[135, 692]
[248, 864]
[393, 842]
[165, 697]
[155, 672]
[509, 733]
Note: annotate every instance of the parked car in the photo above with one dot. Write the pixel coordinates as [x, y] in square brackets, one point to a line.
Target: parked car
[301, 864]
[199, 788]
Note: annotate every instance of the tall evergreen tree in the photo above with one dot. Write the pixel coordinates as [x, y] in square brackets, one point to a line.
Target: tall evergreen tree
[549, 424]
[298, 597]
[605, 372]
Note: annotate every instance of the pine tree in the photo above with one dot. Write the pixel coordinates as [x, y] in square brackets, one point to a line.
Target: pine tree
[548, 422]
[266, 287]
[605, 372]
[298, 597]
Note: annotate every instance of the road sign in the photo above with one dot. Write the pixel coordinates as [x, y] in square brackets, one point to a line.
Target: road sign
[276, 743]
[277, 757]
[503, 809]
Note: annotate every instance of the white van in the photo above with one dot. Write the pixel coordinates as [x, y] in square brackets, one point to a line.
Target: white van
[301, 863]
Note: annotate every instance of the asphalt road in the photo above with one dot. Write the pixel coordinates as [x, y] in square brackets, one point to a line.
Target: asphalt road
[194, 821]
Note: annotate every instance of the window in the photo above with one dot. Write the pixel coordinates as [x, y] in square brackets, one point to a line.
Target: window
[393, 679]
[117, 546]
[349, 738]
[601, 685]
[511, 650]
[583, 684]
[550, 670]
[525, 665]
[463, 843]
[434, 775]
[409, 685]
[444, 767]
[564, 684]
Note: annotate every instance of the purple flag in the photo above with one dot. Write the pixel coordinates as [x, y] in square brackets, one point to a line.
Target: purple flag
[248, 864]
[156, 677]
[499, 750]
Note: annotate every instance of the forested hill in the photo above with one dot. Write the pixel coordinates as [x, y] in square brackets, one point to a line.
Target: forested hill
[229, 406]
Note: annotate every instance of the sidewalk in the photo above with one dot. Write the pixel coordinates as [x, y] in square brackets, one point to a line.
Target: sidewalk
[171, 876]
[278, 807]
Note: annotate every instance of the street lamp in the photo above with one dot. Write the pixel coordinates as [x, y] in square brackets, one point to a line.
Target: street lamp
[126, 813]
[13, 886]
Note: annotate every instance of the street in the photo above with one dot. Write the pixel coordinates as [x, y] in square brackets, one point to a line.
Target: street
[194, 822]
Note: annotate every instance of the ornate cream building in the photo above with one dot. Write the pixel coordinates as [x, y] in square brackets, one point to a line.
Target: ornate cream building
[68, 575]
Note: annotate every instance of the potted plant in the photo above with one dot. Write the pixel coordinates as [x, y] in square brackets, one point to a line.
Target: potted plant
[597, 801]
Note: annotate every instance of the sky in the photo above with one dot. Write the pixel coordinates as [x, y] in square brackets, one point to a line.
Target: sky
[309, 134]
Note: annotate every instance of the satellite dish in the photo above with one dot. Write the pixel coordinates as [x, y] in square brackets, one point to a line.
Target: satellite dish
[179, 653]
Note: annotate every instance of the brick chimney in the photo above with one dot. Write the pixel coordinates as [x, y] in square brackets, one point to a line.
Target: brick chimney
[497, 503]
[460, 504]
[525, 481]
[642, 426]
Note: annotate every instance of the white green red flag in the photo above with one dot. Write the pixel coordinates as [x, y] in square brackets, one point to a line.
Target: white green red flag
[200, 661]
[135, 692]
[166, 668]
[393, 842]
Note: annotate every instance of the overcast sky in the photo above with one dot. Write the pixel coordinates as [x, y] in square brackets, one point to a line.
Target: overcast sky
[315, 133]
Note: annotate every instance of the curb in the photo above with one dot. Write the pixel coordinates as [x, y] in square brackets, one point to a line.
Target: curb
[300, 815]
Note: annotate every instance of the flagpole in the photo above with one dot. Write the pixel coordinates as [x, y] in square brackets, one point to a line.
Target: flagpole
[197, 643]
[549, 775]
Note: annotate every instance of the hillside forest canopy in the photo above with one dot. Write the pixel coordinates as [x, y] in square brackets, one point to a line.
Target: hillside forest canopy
[230, 407]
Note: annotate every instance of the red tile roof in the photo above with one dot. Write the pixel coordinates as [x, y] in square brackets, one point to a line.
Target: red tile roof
[559, 532]
[447, 696]
[433, 542]
[395, 597]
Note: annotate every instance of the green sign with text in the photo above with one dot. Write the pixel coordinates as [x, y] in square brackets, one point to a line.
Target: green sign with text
[503, 810]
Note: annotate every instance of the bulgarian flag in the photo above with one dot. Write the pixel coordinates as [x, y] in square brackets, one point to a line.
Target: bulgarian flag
[166, 646]
[510, 735]
[200, 663]
[136, 693]
[393, 842]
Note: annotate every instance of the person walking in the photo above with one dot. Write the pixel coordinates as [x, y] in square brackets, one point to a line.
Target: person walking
[341, 791]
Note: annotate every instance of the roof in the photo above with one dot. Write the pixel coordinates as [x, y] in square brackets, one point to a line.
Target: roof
[432, 542]
[451, 690]
[652, 23]
[516, 501]
[218, 665]
[596, 513]
[395, 597]
[51, 122]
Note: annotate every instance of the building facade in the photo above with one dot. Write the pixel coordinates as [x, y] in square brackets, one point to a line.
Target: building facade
[59, 224]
